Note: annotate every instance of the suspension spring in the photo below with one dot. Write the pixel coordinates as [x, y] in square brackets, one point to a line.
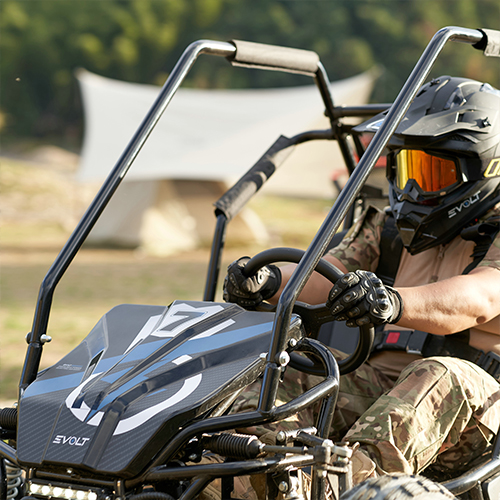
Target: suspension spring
[14, 480]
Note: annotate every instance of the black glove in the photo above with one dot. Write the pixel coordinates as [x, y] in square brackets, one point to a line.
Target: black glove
[250, 291]
[360, 298]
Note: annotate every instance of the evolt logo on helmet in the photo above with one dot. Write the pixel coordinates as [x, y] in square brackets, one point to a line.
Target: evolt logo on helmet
[493, 168]
[465, 204]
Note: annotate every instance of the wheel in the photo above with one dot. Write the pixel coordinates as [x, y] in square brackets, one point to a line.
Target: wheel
[398, 487]
[313, 316]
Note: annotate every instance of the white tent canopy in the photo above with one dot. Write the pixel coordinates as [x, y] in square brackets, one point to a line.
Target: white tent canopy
[207, 135]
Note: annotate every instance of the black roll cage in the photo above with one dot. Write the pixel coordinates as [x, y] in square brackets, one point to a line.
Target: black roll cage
[287, 60]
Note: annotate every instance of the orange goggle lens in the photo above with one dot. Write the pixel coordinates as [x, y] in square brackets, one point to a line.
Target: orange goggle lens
[430, 172]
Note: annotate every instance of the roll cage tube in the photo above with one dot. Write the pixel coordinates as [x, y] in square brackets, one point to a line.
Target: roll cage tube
[320, 242]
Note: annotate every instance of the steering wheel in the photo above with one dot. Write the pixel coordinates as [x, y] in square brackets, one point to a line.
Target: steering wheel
[313, 316]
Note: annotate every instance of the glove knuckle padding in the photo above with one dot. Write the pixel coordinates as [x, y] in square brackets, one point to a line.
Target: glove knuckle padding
[353, 295]
[334, 292]
[360, 297]
[351, 278]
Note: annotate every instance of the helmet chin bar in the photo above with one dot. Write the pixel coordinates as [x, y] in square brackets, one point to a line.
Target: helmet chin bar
[409, 217]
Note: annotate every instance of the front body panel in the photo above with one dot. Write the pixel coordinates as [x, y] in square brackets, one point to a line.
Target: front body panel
[141, 374]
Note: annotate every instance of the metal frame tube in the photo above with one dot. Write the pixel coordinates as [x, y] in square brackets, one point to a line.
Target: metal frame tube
[323, 84]
[474, 478]
[341, 206]
[8, 452]
[236, 468]
[358, 111]
[215, 258]
[67, 254]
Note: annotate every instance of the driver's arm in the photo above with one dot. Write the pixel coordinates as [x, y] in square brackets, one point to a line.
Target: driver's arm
[442, 308]
[454, 304]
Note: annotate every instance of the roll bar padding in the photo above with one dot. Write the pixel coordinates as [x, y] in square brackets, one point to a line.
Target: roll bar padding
[233, 200]
[259, 55]
[490, 44]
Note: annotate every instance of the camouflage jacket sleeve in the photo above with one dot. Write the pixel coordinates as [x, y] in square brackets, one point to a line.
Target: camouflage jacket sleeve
[360, 248]
[492, 257]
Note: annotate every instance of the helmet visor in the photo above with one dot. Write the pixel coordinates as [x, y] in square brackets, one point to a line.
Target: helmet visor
[431, 173]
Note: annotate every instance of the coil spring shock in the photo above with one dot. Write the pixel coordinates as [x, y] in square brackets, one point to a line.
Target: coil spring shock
[14, 480]
[234, 445]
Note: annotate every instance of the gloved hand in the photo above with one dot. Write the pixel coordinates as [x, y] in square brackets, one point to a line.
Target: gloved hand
[250, 291]
[360, 298]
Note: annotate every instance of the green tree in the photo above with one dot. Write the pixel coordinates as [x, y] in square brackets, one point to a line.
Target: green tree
[43, 42]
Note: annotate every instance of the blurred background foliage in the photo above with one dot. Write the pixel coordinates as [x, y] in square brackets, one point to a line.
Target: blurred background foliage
[43, 42]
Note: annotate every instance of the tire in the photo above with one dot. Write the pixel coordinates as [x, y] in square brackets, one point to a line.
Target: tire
[398, 487]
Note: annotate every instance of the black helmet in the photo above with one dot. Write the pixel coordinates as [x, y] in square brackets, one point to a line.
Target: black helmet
[443, 162]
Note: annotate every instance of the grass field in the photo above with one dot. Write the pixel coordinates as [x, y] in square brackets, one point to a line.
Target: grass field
[35, 205]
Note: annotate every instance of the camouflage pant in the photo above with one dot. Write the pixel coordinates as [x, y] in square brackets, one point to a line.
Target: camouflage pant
[441, 410]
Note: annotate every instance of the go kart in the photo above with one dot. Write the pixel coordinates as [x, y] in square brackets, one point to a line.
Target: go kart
[133, 412]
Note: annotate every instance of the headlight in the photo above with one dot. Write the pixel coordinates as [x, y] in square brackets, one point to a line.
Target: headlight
[67, 493]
